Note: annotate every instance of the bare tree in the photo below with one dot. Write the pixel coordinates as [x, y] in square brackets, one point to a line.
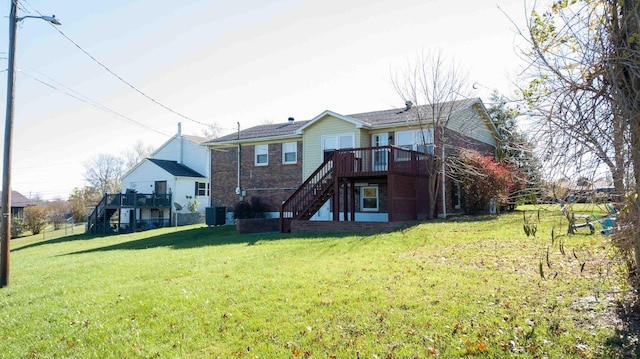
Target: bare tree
[136, 153]
[570, 94]
[585, 92]
[213, 130]
[104, 172]
[433, 84]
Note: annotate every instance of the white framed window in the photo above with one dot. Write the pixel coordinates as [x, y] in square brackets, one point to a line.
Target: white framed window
[337, 142]
[202, 189]
[262, 155]
[369, 198]
[289, 153]
[416, 140]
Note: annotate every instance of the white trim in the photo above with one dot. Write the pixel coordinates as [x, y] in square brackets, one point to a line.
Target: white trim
[337, 138]
[357, 123]
[362, 208]
[256, 154]
[284, 153]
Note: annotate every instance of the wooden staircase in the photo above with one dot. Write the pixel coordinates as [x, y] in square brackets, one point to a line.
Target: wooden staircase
[310, 196]
[98, 221]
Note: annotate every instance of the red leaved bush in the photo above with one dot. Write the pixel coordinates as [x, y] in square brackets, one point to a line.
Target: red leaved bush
[482, 180]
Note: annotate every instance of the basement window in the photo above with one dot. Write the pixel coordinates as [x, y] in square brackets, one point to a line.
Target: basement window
[369, 198]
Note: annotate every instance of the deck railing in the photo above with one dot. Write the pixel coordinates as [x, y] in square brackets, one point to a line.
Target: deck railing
[355, 162]
[137, 200]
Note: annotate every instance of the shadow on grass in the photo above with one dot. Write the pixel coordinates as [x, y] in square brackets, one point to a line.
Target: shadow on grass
[624, 343]
[76, 237]
[201, 237]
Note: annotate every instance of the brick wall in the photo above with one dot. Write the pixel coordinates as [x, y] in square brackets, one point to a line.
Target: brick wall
[272, 183]
[257, 225]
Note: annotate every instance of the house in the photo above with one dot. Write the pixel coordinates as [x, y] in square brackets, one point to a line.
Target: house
[367, 167]
[160, 190]
[18, 204]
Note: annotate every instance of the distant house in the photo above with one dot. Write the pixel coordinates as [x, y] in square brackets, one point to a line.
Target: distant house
[18, 204]
[174, 178]
[334, 169]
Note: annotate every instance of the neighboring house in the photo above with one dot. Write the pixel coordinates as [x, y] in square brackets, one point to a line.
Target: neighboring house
[18, 204]
[154, 190]
[367, 167]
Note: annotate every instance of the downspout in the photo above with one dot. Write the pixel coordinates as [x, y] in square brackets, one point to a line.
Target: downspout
[444, 189]
[180, 150]
[239, 187]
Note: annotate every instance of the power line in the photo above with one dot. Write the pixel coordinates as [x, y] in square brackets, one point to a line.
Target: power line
[76, 95]
[105, 67]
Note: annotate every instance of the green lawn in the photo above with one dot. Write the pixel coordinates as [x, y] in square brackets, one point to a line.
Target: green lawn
[462, 287]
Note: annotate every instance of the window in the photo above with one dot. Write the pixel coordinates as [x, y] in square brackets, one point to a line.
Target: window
[336, 142]
[455, 194]
[424, 141]
[418, 140]
[202, 189]
[369, 198]
[262, 155]
[289, 152]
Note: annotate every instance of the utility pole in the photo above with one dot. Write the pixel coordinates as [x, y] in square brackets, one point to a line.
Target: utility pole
[5, 236]
[5, 231]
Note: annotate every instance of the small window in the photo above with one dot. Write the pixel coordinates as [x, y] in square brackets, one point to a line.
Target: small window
[262, 155]
[369, 198]
[289, 153]
[202, 189]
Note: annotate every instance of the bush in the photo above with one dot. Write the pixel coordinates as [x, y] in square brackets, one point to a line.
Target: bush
[35, 218]
[17, 227]
[482, 180]
[246, 210]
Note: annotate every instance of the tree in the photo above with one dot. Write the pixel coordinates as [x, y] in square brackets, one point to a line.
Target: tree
[35, 218]
[434, 85]
[80, 200]
[136, 153]
[586, 93]
[58, 210]
[104, 172]
[515, 151]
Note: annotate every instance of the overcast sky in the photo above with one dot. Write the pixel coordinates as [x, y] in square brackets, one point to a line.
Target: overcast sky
[224, 62]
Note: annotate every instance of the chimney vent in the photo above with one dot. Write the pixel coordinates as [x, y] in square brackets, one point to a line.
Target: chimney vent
[408, 104]
[291, 119]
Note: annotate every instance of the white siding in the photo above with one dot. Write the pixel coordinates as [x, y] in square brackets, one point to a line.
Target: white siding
[194, 156]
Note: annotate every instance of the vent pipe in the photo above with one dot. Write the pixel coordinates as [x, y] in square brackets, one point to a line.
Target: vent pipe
[291, 119]
[408, 104]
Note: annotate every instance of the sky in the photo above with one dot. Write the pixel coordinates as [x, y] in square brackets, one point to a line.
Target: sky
[225, 62]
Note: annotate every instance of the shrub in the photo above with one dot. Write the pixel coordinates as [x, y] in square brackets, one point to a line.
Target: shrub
[242, 210]
[17, 227]
[482, 180]
[35, 218]
[245, 210]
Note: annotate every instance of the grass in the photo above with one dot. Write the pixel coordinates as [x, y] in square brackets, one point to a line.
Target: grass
[460, 287]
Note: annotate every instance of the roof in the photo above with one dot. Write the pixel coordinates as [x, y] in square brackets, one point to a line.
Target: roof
[375, 119]
[398, 116]
[175, 168]
[196, 139]
[271, 130]
[19, 201]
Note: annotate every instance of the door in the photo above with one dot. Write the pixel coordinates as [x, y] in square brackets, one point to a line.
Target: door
[380, 157]
[161, 187]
